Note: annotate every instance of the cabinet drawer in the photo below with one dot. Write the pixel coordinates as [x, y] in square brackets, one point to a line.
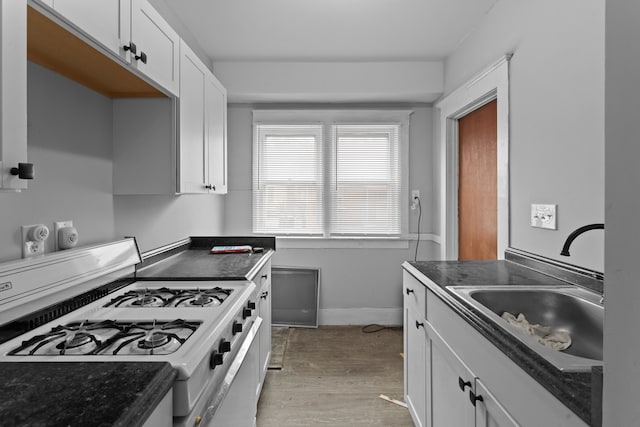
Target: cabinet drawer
[263, 278]
[414, 294]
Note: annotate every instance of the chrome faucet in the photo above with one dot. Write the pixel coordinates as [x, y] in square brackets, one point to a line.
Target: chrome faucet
[576, 233]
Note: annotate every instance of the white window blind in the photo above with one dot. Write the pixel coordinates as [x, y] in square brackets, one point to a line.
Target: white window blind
[330, 173]
[288, 179]
[366, 180]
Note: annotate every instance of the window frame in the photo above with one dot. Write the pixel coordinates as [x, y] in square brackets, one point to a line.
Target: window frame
[330, 118]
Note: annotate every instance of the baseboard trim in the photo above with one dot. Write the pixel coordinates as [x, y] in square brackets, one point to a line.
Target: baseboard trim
[360, 316]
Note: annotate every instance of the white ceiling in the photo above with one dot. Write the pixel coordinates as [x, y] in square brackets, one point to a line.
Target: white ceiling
[328, 30]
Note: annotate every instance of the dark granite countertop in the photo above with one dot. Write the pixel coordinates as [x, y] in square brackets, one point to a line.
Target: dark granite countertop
[191, 260]
[81, 393]
[199, 264]
[573, 389]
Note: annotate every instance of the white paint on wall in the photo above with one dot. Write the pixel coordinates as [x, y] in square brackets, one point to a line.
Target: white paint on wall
[69, 142]
[622, 241]
[156, 221]
[281, 81]
[556, 116]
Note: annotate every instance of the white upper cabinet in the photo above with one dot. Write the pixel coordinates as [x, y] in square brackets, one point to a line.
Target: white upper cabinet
[202, 142]
[216, 113]
[107, 22]
[132, 30]
[157, 45]
[13, 92]
[192, 134]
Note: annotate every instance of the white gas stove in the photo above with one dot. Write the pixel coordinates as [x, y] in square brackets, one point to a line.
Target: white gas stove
[202, 328]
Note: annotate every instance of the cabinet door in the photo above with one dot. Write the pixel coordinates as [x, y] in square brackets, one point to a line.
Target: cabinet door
[108, 22]
[158, 43]
[489, 412]
[216, 114]
[451, 382]
[13, 90]
[415, 357]
[264, 311]
[193, 150]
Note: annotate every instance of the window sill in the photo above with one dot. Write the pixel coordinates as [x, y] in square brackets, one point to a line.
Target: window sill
[297, 242]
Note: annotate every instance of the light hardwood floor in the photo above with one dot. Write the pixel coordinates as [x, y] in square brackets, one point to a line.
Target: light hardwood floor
[333, 376]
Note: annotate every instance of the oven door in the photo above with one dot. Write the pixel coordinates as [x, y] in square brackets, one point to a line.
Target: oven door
[234, 404]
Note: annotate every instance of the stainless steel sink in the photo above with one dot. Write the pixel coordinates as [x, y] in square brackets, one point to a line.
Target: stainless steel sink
[569, 308]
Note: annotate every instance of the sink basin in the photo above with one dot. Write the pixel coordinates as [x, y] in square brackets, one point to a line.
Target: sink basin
[568, 308]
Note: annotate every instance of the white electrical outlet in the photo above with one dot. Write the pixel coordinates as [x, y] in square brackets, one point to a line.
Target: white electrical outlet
[544, 216]
[415, 195]
[33, 239]
[56, 230]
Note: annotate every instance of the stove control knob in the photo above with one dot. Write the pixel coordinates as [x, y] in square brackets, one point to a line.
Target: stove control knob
[237, 328]
[216, 359]
[225, 346]
[251, 305]
[246, 312]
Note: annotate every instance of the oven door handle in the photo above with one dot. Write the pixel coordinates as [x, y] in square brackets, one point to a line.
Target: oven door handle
[216, 400]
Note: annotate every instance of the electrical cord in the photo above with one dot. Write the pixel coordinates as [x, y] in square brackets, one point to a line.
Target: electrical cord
[372, 328]
[415, 257]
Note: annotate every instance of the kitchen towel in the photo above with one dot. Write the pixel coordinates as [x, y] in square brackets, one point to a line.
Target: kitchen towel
[545, 335]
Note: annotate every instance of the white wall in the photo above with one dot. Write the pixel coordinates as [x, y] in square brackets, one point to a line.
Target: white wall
[361, 285]
[158, 220]
[622, 288]
[556, 115]
[69, 142]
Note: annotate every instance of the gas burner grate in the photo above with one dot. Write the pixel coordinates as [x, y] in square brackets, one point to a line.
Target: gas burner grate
[143, 298]
[109, 337]
[201, 297]
[152, 338]
[166, 297]
[74, 338]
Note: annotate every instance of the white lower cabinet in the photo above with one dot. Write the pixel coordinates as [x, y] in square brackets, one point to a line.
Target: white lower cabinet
[454, 377]
[263, 282]
[458, 397]
[162, 415]
[415, 352]
[489, 412]
[451, 380]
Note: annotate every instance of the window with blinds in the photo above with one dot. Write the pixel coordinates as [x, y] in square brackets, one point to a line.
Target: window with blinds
[329, 178]
[365, 180]
[288, 178]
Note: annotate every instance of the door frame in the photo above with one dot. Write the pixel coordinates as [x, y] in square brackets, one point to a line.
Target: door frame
[490, 84]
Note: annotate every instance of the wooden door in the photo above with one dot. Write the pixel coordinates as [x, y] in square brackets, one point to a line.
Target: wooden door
[478, 182]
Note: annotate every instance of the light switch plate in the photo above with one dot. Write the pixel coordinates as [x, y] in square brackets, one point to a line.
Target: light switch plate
[544, 216]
